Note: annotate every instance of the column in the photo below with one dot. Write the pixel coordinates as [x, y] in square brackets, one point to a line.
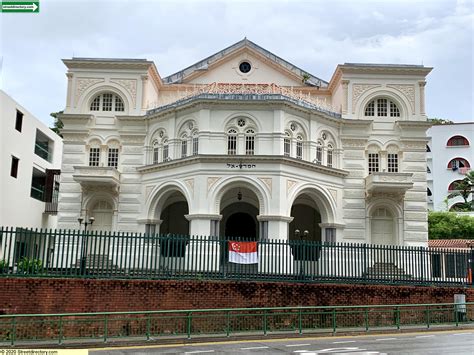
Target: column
[275, 254]
[203, 250]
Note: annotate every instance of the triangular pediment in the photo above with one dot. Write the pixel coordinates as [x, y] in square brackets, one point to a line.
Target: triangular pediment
[225, 67]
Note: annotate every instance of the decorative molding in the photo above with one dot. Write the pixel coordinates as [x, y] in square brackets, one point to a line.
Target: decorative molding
[345, 95]
[190, 183]
[262, 218]
[267, 182]
[422, 84]
[333, 193]
[130, 85]
[354, 143]
[148, 190]
[84, 84]
[211, 181]
[358, 90]
[289, 185]
[408, 91]
[132, 139]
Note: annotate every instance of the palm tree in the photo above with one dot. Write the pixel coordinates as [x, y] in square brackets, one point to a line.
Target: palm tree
[464, 189]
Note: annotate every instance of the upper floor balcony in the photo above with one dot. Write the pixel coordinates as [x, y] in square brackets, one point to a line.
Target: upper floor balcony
[392, 183]
[89, 176]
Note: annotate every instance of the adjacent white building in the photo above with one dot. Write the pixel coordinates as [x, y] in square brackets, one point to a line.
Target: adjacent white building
[244, 143]
[450, 157]
[30, 159]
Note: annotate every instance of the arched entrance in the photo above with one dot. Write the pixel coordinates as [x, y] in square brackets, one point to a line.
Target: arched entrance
[306, 217]
[382, 227]
[173, 212]
[174, 229]
[239, 208]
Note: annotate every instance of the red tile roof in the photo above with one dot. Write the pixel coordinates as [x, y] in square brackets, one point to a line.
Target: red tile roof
[451, 243]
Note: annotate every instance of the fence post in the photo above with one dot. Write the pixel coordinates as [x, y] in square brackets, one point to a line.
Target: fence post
[190, 315]
[265, 322]
[397, 315]
[366, 319]
[334, 324]
[228, 324]
[148, 326]
[300, 327]
[13, 331]
[456, 319]
[427, 317]
[60, 329]
[105, 328]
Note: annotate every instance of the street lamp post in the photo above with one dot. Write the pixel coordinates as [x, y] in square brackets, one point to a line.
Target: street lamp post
[86, 222]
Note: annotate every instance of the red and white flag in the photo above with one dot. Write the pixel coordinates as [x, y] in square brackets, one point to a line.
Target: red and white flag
[243, 252]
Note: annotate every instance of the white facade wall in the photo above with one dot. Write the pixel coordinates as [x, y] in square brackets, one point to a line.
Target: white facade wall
[208, 104]
[17, 207]
[441, 154]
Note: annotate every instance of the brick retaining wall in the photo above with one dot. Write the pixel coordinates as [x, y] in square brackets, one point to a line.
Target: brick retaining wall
[36, 295]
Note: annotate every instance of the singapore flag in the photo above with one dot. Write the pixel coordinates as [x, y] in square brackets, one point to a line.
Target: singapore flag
[243, 252]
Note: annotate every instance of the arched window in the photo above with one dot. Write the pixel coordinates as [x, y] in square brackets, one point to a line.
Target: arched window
[319, 153]
[459, 207]
[232, 142]
[166, 156]
[329, 157]
[428, 149]
[428, 192]
[195, 143]
[457, 141]
[458, 163]
[454, 185]
[374, 163]
[94, 156]
[428, 170]
[184, 146]
[107, 102]
[299, 147]
[287, 145]
[382, 108]
[156, 152]
[250, 142]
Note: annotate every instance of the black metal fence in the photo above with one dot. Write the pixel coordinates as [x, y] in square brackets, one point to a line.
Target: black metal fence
[72, 253]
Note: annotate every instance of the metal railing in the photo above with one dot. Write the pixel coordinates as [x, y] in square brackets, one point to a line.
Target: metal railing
[72, 253]
[106, 326]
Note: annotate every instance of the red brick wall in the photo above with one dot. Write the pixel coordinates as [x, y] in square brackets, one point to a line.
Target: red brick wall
[74, 295]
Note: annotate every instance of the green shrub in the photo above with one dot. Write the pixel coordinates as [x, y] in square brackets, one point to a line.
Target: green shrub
[448, 225]
[3, 266]
[30, 266]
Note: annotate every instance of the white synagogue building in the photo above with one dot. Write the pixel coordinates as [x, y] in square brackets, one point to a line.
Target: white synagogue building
[244, 143]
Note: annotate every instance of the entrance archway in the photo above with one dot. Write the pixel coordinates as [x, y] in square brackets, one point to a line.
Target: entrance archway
[173, 214]
[241, 224]
[239, 210]
[306, 217]
[103, 213]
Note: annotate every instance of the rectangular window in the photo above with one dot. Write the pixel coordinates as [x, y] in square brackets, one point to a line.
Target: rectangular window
[165, 152]
[232, 145]
[299, 150]
[286, 147]
[94, 155]
[319, 155]
[373, 163]
[14, 167]
[19, 121]
[393, 163]
[195, 145]
[38, 185]
[156, 155]
[43, 146]
[184, 148]
[112, 159]
[382, 107]
[249, 145]
[107, 102]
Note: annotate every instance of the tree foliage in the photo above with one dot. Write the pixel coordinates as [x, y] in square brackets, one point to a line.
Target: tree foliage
[439, 121]
[448, 225]
[465, 188]
[58, 124]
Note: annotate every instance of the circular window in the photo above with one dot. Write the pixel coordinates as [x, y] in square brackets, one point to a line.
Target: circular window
[245, 67]
[241, 123]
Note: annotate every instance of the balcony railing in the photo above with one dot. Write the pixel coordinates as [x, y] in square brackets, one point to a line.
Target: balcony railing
[397, 183]
[96, 175]
[42, 151]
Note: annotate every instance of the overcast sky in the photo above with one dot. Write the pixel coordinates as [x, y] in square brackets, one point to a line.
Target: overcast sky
[313, 35]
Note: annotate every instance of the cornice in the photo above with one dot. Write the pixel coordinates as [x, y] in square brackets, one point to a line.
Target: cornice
[414, 124]
[74, 116]
[245, 159]
[103, 64]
